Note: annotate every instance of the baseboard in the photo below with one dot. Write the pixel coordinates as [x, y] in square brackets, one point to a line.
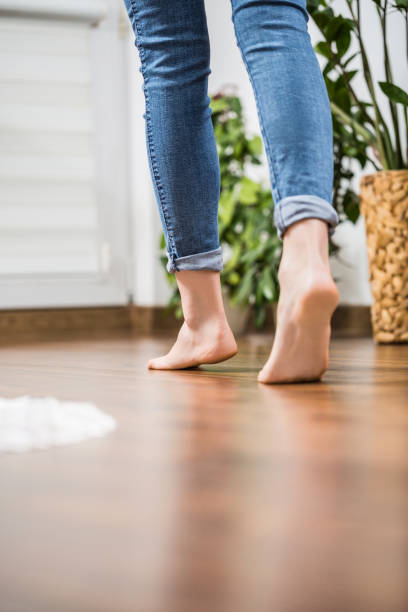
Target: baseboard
[351, 321]
[61, 322]
[347, 322]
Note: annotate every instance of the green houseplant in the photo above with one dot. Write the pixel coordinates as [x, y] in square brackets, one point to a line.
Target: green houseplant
[367, 131]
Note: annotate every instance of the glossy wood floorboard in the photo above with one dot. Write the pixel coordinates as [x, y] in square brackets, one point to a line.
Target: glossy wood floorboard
[215, 493]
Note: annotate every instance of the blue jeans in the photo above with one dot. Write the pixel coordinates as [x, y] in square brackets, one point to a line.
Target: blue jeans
[293, 108]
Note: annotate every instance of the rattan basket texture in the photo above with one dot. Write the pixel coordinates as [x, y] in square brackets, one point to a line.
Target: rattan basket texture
[384, 206]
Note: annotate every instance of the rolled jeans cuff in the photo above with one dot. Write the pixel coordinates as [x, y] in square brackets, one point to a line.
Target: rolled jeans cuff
[295, 208]
[209, 260]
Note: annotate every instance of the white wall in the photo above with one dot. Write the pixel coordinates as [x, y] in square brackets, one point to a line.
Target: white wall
[227, 68]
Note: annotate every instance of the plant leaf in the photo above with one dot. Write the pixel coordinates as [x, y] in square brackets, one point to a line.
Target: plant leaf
[260, 313]
[226, 207]
[268, 286]
[244, 289]
[394, 93]
[255, 145]
[351, 206]
[249, 191]
[323, 48]
[343, 40]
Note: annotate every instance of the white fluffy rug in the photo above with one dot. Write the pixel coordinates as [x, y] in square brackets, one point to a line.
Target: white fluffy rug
[31, 423]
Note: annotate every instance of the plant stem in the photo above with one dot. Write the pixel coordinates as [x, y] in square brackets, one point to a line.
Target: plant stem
[380, 125]
[356, 101]
[406, 34]
[405, 108]
[388, 76]
[338, 63]
[406, 128]
[368, 136]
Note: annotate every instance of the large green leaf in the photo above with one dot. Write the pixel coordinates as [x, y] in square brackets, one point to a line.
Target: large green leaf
[323, 48]
[333, 28]
[395, 93]
[401, 4]
[343, 40]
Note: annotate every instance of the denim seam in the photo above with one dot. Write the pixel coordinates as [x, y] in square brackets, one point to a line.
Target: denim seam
[217, 250]
[152, 153]
[268, 146]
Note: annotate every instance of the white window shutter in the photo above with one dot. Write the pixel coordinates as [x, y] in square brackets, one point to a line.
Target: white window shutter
[63, 196]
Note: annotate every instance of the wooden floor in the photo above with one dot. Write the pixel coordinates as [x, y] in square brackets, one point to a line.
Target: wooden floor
[215, 493]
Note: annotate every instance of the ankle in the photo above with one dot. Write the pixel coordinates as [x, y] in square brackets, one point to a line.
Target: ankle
[214, 322]
[201, 299]
[306, 245]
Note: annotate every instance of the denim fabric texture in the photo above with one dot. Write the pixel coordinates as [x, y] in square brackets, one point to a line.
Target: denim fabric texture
[293, 109]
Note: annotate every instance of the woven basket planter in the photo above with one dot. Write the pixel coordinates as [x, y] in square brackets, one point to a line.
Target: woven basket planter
[384, 206]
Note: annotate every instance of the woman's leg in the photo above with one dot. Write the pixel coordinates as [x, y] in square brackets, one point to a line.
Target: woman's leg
[295, 119]
[173, 44]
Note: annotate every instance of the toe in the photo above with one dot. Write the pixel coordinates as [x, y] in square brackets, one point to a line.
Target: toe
[154, 364]
[161, 363]
[261, 376]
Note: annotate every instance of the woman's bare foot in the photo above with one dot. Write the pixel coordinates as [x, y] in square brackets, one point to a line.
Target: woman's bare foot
[308, 298]
[205, 336]
[209, 344]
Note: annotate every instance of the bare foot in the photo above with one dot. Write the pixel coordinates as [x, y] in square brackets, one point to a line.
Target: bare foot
[205, 336]
[308, 298]
[211, 343]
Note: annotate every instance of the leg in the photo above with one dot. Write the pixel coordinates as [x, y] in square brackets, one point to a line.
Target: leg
[295, 119]
[172, 40]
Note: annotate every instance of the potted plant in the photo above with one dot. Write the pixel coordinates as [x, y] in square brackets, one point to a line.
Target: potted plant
[383, 193]
[251, 246]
